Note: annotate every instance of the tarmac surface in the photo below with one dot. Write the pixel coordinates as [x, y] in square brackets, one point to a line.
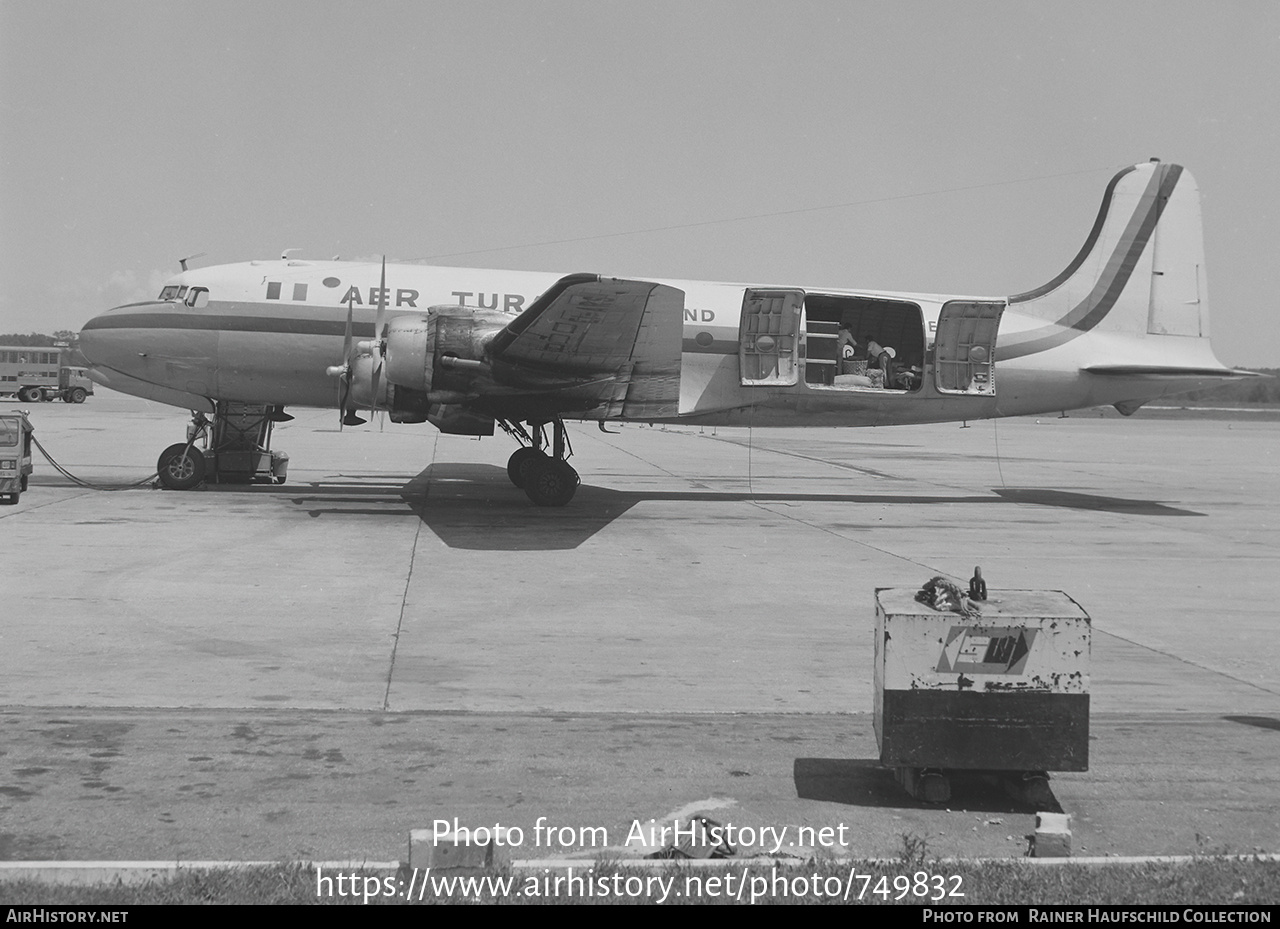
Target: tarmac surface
[398, 636]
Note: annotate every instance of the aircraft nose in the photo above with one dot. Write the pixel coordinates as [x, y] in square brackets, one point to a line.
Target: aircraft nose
[90, 342]
[99, 338]
[157, 343]
[122, 336]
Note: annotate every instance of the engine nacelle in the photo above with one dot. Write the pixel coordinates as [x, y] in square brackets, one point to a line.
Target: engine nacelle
[416, 344]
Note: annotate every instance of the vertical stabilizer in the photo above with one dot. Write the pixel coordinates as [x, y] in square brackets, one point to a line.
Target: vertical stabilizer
[1140, 272]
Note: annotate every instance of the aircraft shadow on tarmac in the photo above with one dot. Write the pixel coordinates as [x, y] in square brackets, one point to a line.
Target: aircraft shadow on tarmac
[1260, 722]
[866, 782]
[1078, 501]
[475, 506]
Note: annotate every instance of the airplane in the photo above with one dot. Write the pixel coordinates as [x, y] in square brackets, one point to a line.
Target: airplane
[1126, 322]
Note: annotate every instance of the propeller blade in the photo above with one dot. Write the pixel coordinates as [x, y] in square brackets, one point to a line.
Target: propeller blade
[376, 349]
[344, 384]
[346, 335]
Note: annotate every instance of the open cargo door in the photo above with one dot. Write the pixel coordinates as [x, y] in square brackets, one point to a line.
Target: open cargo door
[769, 338]
[965, 347]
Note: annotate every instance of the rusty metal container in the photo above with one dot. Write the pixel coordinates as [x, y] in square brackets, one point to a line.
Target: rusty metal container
[1006, 691]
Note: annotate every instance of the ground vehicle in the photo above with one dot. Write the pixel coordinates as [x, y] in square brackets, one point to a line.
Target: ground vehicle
[15, 455]
[39, 372]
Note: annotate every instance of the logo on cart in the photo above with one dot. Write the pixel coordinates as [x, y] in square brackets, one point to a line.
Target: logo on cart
[986, 650]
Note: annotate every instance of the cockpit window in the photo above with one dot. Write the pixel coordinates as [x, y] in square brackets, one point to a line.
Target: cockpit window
[194, 297]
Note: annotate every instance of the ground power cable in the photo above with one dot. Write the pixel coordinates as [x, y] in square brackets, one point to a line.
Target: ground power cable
[81, 482]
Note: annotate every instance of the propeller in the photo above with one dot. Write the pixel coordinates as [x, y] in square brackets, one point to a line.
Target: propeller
[376, 348]
[346, 415]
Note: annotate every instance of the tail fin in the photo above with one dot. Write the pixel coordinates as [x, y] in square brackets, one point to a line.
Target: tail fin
[1140, 273]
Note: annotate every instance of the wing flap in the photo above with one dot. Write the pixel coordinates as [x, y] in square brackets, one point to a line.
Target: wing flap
[623, 336]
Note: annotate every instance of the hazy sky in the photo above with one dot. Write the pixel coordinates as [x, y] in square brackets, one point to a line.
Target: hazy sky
[943, 147]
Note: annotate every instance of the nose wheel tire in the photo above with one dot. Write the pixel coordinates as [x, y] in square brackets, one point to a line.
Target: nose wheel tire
[521, 460]
[551, 482]
[181, 468]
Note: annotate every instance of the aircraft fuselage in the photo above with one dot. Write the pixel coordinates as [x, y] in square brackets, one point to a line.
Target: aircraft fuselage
[264, 332]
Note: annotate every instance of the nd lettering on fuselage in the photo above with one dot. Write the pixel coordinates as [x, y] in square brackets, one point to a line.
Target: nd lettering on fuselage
[470, 349]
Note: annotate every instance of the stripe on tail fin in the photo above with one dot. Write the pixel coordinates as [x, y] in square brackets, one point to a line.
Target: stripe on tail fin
[1141, 270]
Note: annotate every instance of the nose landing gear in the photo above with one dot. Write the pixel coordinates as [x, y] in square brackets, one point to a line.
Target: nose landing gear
[232, 448]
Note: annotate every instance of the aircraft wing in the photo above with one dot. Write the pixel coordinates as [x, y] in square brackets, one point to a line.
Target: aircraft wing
[603, 343]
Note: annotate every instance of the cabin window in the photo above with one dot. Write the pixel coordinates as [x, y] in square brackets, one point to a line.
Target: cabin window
[831, 362]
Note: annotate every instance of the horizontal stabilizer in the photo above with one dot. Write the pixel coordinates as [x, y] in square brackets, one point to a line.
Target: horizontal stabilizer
[1168, 371]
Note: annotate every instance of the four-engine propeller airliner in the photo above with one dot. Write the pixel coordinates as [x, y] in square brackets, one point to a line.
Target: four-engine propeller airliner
[1126, 322]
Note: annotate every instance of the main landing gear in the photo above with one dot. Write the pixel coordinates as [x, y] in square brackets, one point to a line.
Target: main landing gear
[232, 448]
[547, 479]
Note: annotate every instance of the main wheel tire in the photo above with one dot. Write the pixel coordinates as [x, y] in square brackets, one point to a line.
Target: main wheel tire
[180, 468]
[521, 460]
[78, 395]
[551, 482]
